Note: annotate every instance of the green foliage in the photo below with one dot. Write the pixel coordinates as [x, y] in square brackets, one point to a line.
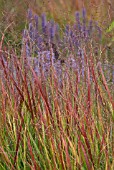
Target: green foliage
[111, 27]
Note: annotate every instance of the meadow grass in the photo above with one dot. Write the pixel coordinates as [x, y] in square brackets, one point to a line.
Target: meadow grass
[62, 118]
[51, 124]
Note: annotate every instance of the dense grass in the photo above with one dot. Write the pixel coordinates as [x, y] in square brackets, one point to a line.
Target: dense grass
[51, 124]
[61, 117]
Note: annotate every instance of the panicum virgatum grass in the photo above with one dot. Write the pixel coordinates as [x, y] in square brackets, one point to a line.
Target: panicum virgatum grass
[56, 103]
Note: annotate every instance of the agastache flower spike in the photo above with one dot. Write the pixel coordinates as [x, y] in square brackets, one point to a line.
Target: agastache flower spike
[57, 32]
[29, 14]
[39, 43]
[90, 27]
[84, 15]
[67, 30]
[36, 21]
[84, 21]
[27, 49]
[52, 29]
[78, 20]
[44, 22]
[31, 30]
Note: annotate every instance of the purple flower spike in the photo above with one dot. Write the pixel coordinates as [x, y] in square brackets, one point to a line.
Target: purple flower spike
[71, 34]
[29, 14]
[84, 21]
[78, 20]
[30, 30]
[77, 16]
[90, 27]
[57, 32]
[52, 29]
[84, 13]
[44, 22]
[67, 30]
[39, 43]
[36, 21]
[27, 50]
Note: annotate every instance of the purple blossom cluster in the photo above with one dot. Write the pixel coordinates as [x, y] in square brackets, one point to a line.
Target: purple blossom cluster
[45, 47]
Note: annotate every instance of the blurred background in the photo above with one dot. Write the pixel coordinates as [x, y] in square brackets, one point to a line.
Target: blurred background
[13, 13]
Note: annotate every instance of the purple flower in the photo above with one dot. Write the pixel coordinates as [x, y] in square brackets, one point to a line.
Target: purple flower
[36, 21]
[39, 43]
[29, 14]
[67, 30]
[44, 22]
[78, 20]
[90, 27]
[52, 29]
[57, 31]
[84, 21]
[84, 15]
[31, 30]
[35, 34]
[77, 16]
[27, 49]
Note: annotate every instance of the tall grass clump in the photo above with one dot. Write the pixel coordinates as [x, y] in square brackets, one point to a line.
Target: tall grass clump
[56, 103]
